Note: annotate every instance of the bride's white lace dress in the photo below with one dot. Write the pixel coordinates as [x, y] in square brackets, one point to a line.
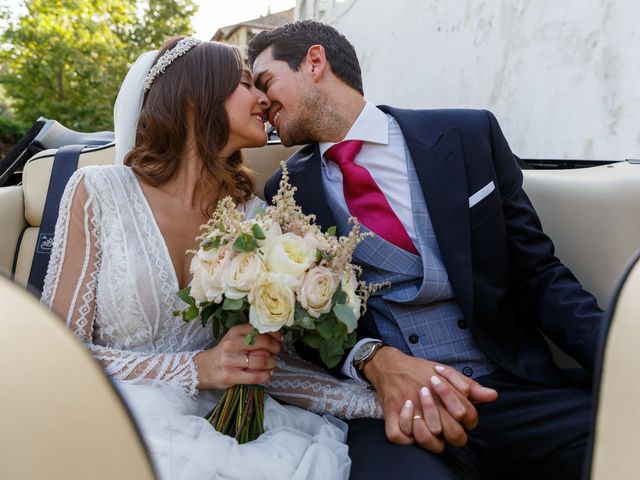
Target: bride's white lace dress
[111, 278]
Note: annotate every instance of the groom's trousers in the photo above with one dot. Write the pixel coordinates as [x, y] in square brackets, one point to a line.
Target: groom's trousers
[529, 432]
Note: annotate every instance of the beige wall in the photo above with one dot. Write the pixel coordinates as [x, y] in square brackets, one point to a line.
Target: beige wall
[563, 77]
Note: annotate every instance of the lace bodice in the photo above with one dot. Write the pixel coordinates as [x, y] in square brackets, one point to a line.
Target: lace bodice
[111, 279]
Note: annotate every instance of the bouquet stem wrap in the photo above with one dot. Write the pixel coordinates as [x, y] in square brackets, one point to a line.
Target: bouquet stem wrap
[240, 413]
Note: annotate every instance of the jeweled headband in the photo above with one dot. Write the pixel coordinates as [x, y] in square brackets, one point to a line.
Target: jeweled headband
[182, 47]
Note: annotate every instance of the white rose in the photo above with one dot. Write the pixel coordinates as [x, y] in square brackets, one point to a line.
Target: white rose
[198, 277]
[317, 288]
[209, 256]
[289, 254]
[349, 285]
[273, 302]
[315, 239]
[270, 229]
[241, 274]
[207, 268]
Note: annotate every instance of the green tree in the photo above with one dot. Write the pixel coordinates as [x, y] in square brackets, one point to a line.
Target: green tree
[65, 59]
[162, 19]
[5, 104]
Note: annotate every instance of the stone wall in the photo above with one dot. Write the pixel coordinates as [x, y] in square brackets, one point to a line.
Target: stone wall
[562, 76]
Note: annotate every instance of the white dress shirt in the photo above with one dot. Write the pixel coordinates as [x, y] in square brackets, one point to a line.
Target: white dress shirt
[383, 154]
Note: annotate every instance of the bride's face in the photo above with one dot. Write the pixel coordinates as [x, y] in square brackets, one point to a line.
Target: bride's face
[246, 108]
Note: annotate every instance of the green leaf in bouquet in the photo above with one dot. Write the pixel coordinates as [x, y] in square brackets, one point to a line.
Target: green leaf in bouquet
[318, 256]
[339, 330]
[215, 323]
[307, 323]
[245, 243]
[206, 312]
[210, 243]
[313, 339]
[242, 316]
[227, 318]
[339, 296]
[346, 316]
[258, 234]
[331, 231]
[185, 295]
[324, 255]
[332, 360]
[233, 304]
[250, 338]
[330, 353]
[325, 328]
[350, 341]
[299, 313]
[190, 313]
[204, 317]
[302, 318]
[231, 319]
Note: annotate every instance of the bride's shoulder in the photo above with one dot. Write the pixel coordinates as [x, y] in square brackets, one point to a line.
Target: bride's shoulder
[94, 173]
[110, 168]
[98, 179]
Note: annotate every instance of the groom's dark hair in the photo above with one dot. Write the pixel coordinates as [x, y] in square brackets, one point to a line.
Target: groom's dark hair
[291, 42]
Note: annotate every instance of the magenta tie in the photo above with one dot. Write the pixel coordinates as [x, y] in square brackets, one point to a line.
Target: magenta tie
[364, 198]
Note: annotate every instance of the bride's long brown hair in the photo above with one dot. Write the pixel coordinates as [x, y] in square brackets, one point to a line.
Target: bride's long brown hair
[204, 77]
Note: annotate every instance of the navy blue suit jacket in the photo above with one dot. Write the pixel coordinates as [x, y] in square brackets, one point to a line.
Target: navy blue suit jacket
[502, 267]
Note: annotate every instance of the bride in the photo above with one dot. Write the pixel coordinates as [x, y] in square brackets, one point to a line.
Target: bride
[181, 118]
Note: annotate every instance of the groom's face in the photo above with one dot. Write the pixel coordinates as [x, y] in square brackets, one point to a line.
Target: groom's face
[293, 98]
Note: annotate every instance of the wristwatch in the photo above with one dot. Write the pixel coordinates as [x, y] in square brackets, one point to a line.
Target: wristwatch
[365, 353]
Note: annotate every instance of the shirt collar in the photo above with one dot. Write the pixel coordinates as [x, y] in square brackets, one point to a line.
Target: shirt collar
[372, 125]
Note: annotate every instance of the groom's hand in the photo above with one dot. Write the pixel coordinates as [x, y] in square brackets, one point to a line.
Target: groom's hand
[398, 377]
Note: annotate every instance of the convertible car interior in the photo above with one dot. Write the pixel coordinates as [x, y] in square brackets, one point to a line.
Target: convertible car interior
[592, 215]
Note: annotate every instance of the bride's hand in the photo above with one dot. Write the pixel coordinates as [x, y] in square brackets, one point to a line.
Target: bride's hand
[232, 362]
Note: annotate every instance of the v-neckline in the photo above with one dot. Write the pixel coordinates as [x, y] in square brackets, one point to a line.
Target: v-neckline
[154, 221]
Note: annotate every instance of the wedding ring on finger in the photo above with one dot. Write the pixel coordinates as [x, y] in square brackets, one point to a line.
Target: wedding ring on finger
[417, 417]
[246, 363]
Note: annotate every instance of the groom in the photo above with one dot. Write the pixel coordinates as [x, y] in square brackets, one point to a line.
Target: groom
[474, 279]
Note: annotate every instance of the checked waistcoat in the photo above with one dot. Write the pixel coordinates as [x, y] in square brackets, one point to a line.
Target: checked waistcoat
[418, 314]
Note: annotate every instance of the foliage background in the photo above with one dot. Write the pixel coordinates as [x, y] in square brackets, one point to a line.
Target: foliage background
[65, 59]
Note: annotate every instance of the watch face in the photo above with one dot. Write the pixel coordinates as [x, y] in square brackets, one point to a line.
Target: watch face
[363, 351]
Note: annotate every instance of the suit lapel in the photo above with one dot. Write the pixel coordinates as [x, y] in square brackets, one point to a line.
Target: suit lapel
[439, 162]
[305, 173]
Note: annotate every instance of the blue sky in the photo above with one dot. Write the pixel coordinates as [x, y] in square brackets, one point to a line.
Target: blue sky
[214, 14]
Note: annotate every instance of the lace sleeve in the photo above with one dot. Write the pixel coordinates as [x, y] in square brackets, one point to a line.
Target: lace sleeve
[70, 291]
[305, 385]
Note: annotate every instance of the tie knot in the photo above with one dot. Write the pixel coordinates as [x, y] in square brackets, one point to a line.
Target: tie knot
[344, 152]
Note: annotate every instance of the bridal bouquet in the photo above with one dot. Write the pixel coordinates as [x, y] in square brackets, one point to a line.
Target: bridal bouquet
[276, 271]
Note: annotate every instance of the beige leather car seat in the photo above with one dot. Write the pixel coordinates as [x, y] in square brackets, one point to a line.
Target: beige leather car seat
[265, 161]
[593, 217]
[615, 448]
[591, 214]
[61, 418]
[35, 181]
